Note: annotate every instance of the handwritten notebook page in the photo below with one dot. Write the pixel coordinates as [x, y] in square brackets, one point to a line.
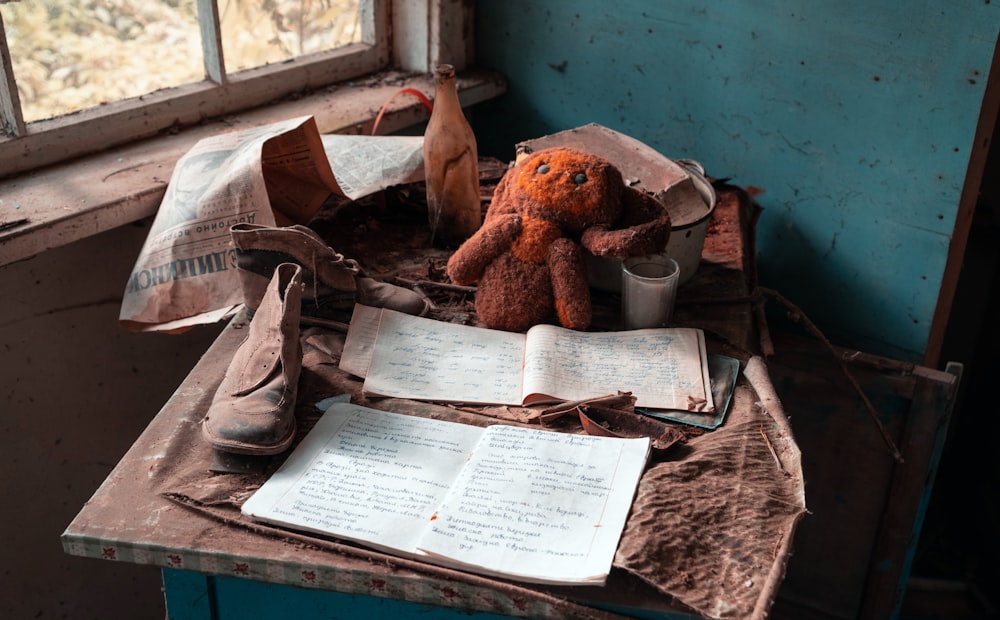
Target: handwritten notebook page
[367, 476]
[434, 360]
[532, 503]
[662, 368]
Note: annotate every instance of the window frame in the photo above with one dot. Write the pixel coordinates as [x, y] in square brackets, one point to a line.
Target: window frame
[48, 207]
[42, 143]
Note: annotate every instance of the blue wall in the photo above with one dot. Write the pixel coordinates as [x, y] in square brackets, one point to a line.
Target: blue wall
[855, 118]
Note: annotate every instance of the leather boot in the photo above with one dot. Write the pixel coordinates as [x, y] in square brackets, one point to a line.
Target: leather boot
[253, 411]
[333, 284]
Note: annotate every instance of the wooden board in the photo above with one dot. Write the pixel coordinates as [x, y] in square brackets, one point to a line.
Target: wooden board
[853, 552]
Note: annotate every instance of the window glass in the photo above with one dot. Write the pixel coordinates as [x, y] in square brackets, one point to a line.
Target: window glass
[257, 33]
[72, 55]
[90, 74]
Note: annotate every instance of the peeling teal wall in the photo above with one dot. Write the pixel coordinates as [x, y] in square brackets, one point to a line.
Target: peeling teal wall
[855, 118]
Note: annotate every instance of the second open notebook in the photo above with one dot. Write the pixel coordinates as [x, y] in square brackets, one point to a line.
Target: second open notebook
[412, 357]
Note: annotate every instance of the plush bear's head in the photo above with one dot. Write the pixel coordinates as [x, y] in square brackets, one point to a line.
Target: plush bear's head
[573, 189]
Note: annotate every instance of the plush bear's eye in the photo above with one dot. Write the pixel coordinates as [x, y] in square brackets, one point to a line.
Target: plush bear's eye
[543, 168]
[580, 178]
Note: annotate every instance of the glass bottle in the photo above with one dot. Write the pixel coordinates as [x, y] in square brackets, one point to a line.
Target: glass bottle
[451, 166]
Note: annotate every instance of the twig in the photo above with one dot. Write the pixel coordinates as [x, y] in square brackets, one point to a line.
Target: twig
[800, 316]
[608, 400]
[441, 285]
[771, 448]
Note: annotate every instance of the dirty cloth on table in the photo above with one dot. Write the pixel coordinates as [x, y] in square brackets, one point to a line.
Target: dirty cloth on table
[713, 520]
[710, 530]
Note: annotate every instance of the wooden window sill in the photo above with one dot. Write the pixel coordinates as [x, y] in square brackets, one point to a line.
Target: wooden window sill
[55, 206]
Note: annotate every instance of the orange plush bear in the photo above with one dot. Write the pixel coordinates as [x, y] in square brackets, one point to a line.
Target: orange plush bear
[527, 256]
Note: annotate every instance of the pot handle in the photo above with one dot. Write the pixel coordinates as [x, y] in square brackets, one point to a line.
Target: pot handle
[692, 166]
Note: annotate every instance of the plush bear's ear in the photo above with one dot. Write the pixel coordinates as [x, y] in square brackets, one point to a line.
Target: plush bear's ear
[503, 200]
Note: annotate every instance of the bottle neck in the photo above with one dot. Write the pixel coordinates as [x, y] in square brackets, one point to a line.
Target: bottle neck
[446, 94]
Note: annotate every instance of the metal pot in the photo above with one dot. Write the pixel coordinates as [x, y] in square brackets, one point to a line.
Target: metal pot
[687, 232]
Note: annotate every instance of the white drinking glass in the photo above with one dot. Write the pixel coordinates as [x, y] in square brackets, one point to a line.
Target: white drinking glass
[649, 288]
